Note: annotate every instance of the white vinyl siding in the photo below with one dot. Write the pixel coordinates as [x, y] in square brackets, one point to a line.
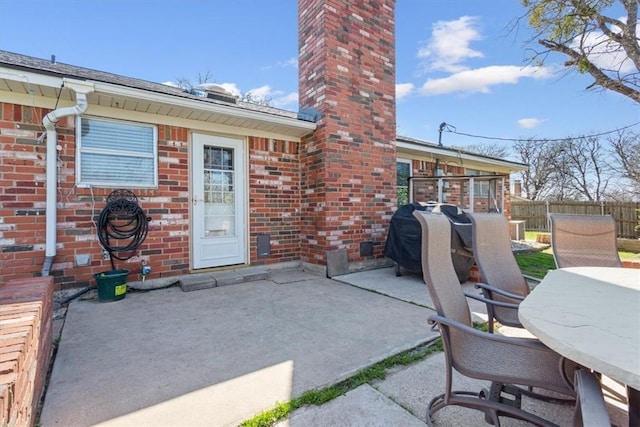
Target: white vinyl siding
[114, 153]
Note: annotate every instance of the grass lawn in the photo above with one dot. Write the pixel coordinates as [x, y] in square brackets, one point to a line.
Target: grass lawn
[537, 264]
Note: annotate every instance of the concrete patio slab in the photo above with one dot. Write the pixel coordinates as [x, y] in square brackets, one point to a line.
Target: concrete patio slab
[218, 356]
[408, 287]
[414, 387]
[361, 407]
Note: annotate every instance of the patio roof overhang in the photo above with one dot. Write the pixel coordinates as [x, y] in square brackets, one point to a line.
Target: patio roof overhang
[424, 150]
[44, 90]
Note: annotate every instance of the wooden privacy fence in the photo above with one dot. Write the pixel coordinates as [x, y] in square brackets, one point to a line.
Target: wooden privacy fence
[627, 215]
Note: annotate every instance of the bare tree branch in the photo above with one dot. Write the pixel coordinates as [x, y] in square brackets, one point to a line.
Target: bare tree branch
[581, 30]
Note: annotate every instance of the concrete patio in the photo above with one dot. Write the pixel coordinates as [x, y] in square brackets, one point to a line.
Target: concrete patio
[219, 356]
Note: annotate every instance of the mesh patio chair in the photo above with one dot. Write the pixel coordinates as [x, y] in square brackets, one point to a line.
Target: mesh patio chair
[501, 277]
[584, 240]
[509, 363]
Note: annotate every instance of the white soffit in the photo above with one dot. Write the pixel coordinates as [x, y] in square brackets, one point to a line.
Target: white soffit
[131, 99]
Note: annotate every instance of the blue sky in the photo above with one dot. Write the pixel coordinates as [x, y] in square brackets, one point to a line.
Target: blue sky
[457, 61]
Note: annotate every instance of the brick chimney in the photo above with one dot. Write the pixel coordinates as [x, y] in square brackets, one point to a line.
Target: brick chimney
[347, 74]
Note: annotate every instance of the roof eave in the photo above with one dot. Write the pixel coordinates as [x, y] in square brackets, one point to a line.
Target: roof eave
[444, 154]
[294, 127]
[259, 120]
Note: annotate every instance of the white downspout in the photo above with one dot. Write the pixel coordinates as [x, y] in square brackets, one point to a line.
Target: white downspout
[49, 121]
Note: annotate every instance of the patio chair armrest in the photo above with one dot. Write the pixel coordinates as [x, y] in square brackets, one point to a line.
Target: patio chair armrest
[499, 291]
[491, 301]
[531, 278]
[551, 370]
[517, 341]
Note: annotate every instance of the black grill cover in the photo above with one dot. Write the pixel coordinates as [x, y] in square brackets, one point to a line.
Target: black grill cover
[404, 241]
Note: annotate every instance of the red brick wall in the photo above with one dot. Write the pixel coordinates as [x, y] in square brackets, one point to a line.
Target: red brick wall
[274, 203]
[274, 198]
[22, 215]
[25, 347]
[347, 72]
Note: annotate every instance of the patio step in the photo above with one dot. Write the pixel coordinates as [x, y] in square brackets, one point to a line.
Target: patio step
[196, 282]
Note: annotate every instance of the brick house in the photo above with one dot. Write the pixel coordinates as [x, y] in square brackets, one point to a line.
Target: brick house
[225, 183]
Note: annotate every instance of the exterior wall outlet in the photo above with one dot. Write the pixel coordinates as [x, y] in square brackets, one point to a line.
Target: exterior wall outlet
[105, 255]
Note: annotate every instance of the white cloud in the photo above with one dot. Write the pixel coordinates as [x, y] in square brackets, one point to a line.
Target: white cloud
[232, 88]
[448, 46]
[289, 100]
[530, 122]
[291, 62]
[278, 98]
[263, 92]
[404, 89]
[607, 54]
[481, 79]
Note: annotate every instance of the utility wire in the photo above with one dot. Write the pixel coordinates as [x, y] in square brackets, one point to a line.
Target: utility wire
[569, 138]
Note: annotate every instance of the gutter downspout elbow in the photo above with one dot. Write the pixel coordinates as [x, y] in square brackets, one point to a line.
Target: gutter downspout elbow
[49, 121]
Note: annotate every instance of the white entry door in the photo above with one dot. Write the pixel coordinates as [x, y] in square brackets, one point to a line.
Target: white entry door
[218, 202]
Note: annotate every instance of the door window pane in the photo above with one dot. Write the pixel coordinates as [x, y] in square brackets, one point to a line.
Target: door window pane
[219, 177]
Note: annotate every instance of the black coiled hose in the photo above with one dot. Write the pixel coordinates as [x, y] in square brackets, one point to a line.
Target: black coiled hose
[122, 225]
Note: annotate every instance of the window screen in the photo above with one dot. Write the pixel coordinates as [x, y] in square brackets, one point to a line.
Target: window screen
[116, 154]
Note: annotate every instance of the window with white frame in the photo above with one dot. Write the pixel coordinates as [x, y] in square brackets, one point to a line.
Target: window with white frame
[481, 187]
[114, 153]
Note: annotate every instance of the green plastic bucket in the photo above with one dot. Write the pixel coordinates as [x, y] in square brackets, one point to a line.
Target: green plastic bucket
[112, 284]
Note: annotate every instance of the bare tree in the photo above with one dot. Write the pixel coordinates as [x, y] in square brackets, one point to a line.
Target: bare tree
[593, 41]
[186, 84]
[495, 151]
[571, 169]
[537, 180]
[588, 166]
[207, 77]
[561, 188]
[625, 148]
[258, 100]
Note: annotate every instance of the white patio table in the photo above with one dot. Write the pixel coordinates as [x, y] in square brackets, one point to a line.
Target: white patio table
[591, 315]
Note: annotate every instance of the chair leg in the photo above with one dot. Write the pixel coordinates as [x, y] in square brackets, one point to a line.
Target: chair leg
[439, 402]
[479, 401]
[591, 409]
[500, 393]
[633, 402]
